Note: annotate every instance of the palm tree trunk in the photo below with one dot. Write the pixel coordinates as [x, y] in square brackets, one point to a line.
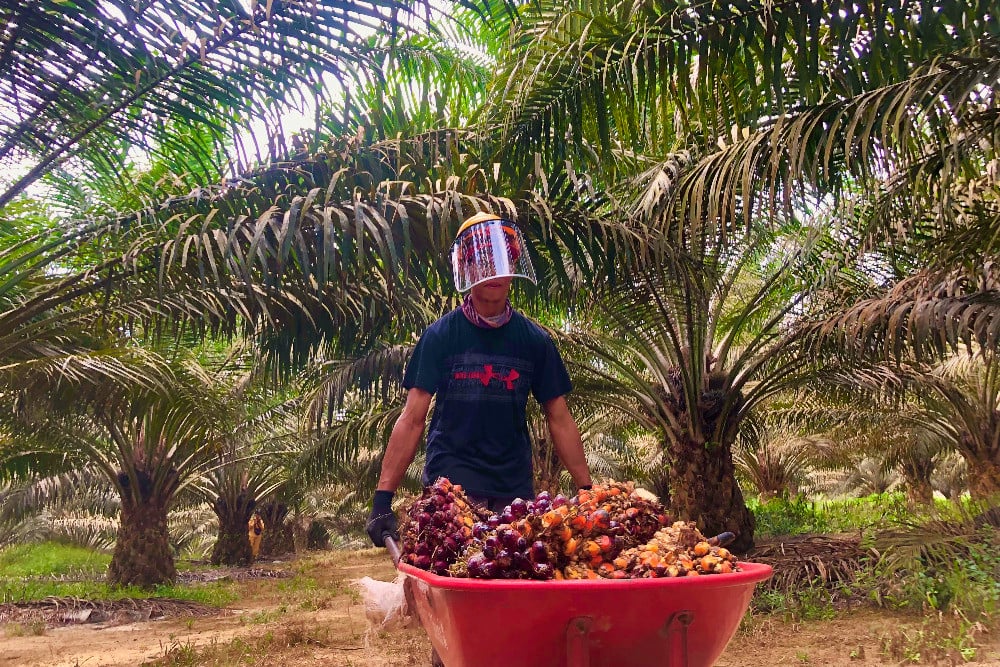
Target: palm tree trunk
[703, 489]
[232, 547]
[142, 553]
[278, 539]
[981, 452]
[984, 476]
[918, 481]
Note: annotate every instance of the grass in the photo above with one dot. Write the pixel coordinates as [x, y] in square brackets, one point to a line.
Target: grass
[813, 603]
[32, 629]
[800, 516]
[51, 559]
[954, 587]
[28, 572]
[215, 594]
[243, 651]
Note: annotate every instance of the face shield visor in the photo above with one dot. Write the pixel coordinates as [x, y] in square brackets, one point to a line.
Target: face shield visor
[487, 250]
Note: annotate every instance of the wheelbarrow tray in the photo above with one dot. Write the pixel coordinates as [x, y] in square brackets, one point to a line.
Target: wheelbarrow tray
[681, 622]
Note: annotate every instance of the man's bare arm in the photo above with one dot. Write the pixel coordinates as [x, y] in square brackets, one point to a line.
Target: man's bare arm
[566, 440]
[404, 439]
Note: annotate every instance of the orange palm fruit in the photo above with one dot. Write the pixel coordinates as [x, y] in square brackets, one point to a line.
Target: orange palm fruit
[570, 547]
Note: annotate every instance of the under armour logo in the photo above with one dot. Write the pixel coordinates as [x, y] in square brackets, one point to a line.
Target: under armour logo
[487, 375]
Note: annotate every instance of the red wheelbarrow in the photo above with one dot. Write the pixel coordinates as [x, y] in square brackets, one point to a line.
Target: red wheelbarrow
[675, 622]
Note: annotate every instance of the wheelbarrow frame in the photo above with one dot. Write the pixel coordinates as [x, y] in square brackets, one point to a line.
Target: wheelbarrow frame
[677, 622]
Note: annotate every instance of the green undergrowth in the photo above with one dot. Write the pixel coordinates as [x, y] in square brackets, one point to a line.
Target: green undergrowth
[938, 566]
[52, 559]
[798, 515]
[215, 594]
[31, 572]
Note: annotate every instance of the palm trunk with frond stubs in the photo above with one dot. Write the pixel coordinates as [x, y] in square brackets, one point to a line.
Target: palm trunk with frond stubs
[917, 473]
[232, 547]
[703, 489]
[142, 554]
[982, 458]
[984, 476]
[278, 539]
[701, 474]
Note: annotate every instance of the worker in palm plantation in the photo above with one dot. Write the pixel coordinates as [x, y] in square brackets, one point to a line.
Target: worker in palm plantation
[481, 360]
[255, 531]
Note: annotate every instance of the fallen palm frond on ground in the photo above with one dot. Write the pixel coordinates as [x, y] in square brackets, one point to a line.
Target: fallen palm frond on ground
[805, 560]
[230, 574]
[67, 611]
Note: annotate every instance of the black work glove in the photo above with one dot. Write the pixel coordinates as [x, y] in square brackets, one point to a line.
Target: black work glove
[382, 519]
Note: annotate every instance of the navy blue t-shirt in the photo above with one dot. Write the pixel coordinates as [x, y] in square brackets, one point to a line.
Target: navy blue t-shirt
[478, 436]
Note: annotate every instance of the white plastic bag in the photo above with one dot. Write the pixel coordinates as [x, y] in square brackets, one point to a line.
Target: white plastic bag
[385, 603]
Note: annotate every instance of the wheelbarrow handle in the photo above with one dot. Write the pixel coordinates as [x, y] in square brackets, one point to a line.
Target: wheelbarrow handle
[391, 547]
[722, 539]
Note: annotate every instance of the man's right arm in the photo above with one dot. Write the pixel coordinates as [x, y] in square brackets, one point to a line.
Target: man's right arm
[404, 439]
[399, 453]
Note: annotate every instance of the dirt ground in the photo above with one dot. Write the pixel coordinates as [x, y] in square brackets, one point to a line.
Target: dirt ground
[318, 618]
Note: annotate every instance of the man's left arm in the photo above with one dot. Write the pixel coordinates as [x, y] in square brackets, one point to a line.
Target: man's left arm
[566, 440]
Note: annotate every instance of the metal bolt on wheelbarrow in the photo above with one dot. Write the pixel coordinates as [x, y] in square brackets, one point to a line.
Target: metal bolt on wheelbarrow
[677, 622]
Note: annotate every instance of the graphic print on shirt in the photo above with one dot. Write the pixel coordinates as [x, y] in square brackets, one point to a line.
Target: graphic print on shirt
[480, 376]
[487, 375]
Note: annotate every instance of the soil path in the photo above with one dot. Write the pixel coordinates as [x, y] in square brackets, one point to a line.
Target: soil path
[318, 618]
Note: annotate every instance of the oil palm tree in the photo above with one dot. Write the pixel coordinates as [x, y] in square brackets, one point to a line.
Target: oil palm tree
[254, 461]
[147, 444]
[696, 347]
[939, 406]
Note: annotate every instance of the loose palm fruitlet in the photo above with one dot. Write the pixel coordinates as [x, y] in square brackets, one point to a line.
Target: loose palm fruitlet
[679, 550]
[438, 527]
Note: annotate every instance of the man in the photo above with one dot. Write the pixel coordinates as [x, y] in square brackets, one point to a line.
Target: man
[255, 531]
[482, 360]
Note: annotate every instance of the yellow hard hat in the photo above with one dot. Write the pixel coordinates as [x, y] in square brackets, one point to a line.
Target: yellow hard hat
[482, 216]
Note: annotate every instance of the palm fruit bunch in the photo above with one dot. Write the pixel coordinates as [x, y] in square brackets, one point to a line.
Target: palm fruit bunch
[602, 522]
[679, 550]
[438, 526]
[556, 537]
[509, 545]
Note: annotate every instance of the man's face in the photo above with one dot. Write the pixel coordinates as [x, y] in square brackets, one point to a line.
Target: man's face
[496, 289]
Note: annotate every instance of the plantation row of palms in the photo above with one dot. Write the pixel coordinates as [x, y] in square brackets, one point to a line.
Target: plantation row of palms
[765, 236]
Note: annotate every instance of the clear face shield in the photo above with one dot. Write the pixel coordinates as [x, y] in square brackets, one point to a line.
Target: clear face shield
[487, 250]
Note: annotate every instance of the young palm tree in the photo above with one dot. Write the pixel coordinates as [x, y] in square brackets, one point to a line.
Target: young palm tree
[698, 346]
[147, 444]
[936, 407]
